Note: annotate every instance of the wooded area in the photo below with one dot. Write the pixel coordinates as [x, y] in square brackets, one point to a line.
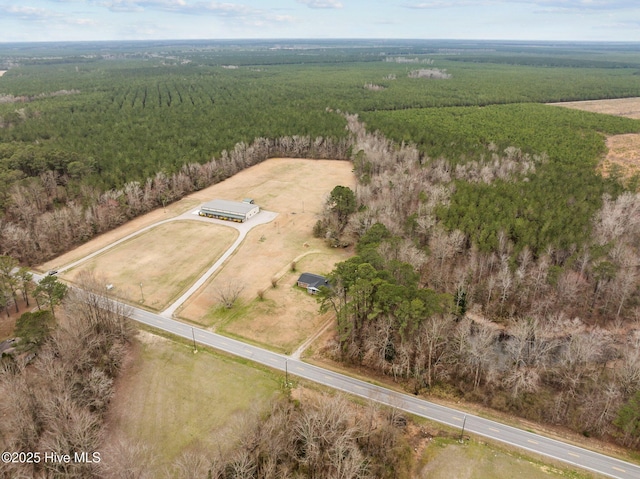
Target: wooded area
[57, 399]
[548, 332]
[493, 262]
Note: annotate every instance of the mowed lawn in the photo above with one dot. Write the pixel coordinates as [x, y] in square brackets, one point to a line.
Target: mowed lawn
[176, 401]
[160, 263]
[286, 315]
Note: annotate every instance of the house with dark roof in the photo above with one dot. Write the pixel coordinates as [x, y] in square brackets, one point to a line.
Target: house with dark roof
[312, 282]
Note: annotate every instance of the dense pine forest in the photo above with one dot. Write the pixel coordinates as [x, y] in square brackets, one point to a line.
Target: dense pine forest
[492, 260]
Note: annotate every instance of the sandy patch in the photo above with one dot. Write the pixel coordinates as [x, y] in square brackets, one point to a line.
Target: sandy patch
[628, 107]
[623, 156]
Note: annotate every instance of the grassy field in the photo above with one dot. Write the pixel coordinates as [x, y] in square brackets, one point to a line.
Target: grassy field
[447, 458]
[176, 401]
[165, 260]
[269, 321]
[168, 258]
[295, 189]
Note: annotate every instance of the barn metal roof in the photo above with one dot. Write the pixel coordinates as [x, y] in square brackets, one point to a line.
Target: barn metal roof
[227, 206]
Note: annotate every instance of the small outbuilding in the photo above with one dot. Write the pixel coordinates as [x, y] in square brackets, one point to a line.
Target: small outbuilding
[238, 211]
[312, 282]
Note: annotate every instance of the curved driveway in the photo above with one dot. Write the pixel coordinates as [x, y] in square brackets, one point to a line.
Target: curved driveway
[243, 228]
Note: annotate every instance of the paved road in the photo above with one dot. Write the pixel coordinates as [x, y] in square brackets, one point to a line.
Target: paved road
[472, 424]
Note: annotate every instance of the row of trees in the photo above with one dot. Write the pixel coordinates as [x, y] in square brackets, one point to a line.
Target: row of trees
[59, 400]
[45, 216]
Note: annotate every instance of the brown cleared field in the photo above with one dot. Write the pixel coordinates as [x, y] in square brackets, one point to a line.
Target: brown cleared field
[296, 190]
[623, 155]
[628, 107]
[166, 259]
[623, 150]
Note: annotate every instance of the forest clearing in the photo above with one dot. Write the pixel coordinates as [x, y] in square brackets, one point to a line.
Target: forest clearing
[160, 263]
[623, 155]
[284, 316]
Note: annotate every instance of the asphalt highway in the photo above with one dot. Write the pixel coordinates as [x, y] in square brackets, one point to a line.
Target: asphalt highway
[534, 443]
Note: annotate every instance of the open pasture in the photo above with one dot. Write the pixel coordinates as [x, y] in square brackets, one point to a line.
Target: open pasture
[296, 189]
[157, 265]
[177, 402]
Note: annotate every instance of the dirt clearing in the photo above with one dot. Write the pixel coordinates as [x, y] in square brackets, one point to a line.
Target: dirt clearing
[623, 155]
[628, 107]
[160, 263]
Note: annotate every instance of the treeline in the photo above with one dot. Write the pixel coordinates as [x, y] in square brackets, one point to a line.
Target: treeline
[46, 215]
[56, 401]
[419, 198]
[133, 117]
[548, 334]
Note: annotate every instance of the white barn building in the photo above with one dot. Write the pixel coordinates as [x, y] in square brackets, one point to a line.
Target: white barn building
[238, 211]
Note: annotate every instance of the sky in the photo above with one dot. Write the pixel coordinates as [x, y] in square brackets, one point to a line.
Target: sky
[89, 20]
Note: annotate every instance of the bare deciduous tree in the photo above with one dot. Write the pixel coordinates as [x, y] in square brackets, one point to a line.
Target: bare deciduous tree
[228, 293]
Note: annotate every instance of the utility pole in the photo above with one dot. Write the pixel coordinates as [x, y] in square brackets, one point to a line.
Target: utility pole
[464, 421]
[286, 373]
[193, 335]
[141, 293]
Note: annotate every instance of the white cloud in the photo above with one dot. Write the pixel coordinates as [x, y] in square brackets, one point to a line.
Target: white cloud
[27, 13]
[321, 3]
[436, 4]
[555, 5]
